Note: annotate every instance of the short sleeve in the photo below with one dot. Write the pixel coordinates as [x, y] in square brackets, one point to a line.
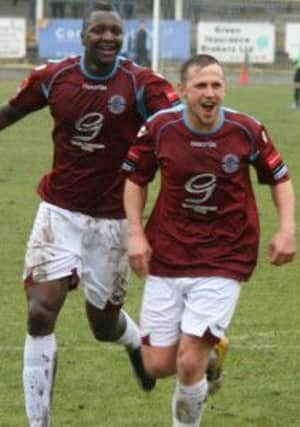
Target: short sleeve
[157, 92]
[269, 165]
[141, 163]
[31, 96]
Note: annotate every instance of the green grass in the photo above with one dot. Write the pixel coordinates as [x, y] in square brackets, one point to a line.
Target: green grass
[94, 386]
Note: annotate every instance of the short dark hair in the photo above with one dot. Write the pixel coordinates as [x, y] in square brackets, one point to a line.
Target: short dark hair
[201, 60]
[96, 6]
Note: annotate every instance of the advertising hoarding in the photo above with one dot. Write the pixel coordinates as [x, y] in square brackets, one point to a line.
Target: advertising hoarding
[233, 42]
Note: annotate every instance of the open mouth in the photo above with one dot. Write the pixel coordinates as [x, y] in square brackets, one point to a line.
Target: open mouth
[107, 50]
[208, 107]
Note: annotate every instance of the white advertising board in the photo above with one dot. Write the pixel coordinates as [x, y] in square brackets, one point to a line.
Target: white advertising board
[233, 42]
[292, 40]
[12, 38]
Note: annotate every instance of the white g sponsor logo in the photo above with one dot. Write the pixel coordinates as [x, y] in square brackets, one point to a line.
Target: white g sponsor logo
[88, 126]
[202, 185]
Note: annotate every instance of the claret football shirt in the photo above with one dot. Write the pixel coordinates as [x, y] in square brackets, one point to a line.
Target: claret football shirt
[205, 221]
[95, 121]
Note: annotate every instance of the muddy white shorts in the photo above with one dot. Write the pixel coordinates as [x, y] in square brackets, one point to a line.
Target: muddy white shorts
[63, 243]
[193, 306]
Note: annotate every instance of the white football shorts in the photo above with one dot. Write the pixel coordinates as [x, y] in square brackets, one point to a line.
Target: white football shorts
[63, 243]
[192, 306]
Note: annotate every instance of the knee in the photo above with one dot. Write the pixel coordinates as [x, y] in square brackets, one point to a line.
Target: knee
[41, 320]
[105, 325]
[102, 334]
[106, 331]
[188, 364]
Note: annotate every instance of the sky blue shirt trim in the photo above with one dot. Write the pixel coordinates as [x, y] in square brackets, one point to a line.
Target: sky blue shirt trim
[141, 105]
[175, 109]
[44, 90]
[92, 76]
[216, 128]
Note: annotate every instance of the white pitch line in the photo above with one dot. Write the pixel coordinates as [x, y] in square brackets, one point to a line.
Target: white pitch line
[252, 347]
[248, 349]
[102, 348]
[267, 334]
[235, 341]
[262, 347]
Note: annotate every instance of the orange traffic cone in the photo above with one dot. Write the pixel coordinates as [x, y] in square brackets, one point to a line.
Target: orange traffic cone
[243, 78]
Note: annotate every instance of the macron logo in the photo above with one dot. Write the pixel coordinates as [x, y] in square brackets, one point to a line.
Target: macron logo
[93, 87]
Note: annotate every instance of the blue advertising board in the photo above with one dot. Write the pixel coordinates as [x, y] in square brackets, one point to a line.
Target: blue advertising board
[58, 38]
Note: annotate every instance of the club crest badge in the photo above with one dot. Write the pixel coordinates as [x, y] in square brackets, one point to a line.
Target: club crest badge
[230, 163]
[116, 104]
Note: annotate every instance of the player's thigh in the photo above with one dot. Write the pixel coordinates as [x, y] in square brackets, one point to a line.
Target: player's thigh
[209, 305]
[53, 249]
[161, 312]
[105, 266]
[160, 362]
[50, 295]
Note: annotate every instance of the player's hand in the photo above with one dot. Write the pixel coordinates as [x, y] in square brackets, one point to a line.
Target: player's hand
[139, 254]
[282, 247]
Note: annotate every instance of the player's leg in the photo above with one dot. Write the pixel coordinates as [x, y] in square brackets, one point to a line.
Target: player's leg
[105, 284]
[114, 325]
[160, 362]
[156, 362]
[161, 315]
[190, 394]
[160, 325]
[49, 272]
[209, 305]
[214, 372]
[44, 303]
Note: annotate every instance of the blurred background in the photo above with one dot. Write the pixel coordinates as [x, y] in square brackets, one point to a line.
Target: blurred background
[257, 40]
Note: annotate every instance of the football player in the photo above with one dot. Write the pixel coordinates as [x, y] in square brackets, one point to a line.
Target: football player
[98, 101]
[201, 240]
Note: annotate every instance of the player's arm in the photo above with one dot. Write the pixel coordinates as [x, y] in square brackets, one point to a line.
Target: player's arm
[29, 97]
[8, 116]
[282, 247]
[139, 250]
[158, 93]
[272, 170]
[140, 166]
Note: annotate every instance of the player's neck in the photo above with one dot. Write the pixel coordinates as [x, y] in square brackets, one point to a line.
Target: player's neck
[98, 70]
[195, 122]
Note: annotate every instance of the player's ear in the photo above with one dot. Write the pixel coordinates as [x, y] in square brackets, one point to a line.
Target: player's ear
[181, 90]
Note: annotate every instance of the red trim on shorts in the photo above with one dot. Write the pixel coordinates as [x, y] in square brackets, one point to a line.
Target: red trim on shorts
[74, 280]
[210, 337]
[146, 340]
[28, 281]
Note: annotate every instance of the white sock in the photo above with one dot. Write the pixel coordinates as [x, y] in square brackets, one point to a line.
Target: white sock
[188, 404]
[38, 372]
[131, 337]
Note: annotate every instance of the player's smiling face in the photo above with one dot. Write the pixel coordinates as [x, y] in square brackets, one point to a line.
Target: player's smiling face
[204, 91]
[102, 37]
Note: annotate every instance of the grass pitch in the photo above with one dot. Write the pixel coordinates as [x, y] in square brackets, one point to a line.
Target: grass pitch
[94, 385]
